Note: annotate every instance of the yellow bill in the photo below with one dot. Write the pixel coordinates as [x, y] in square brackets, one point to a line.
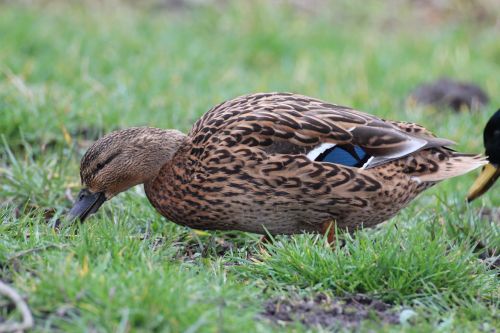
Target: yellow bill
[486, 179]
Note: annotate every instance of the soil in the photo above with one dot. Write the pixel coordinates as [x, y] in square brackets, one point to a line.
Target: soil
[449, 93]
[490, 214]
[324, 311]
[490, 254]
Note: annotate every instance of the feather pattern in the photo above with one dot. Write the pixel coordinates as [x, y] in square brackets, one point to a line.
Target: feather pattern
[251, 164]
[306, 122]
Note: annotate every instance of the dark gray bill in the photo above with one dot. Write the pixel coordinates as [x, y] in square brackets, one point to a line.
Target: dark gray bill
[86, 204]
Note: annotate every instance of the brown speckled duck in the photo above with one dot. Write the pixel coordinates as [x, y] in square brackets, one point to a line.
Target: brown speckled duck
[272, 162]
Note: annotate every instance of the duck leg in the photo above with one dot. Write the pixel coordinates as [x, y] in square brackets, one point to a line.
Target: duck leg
[328, 229]
[265, 239]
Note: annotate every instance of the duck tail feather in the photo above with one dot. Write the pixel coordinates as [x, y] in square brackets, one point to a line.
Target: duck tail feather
[457, 164]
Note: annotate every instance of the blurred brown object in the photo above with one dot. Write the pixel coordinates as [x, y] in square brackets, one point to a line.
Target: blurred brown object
[446, 92]
[490, 214]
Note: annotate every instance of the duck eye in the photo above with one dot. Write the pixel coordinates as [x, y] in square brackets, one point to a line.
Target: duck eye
[99, 166]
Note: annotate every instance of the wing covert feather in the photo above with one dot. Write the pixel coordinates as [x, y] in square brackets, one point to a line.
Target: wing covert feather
[290, 120]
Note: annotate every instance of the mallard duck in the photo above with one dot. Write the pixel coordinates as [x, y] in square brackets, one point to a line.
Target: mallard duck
[491, 171]
[276, 163]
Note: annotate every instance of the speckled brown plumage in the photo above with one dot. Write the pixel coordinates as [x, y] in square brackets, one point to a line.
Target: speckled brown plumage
[245, 166]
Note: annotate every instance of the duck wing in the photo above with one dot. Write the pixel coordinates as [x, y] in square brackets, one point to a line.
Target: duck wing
[285, 123]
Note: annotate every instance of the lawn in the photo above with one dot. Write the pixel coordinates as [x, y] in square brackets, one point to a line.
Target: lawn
[72, 71]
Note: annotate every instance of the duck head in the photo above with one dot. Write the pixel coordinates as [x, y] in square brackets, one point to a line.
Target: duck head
[119, 161]
[491, 171]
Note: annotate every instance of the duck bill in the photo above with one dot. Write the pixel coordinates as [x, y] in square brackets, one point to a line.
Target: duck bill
[486, 179]
[86, 204]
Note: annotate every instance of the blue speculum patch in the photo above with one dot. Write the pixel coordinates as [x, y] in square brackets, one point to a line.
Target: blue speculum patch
[348, 155]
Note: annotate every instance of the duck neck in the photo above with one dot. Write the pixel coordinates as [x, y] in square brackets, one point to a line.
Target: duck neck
[159, 148]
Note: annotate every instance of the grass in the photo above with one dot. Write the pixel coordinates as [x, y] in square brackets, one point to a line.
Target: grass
[70, 72]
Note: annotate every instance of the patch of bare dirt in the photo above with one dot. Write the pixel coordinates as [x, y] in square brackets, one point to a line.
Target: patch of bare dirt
[324, 311]
[490, 214]
[490, 254]
[446, 92]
